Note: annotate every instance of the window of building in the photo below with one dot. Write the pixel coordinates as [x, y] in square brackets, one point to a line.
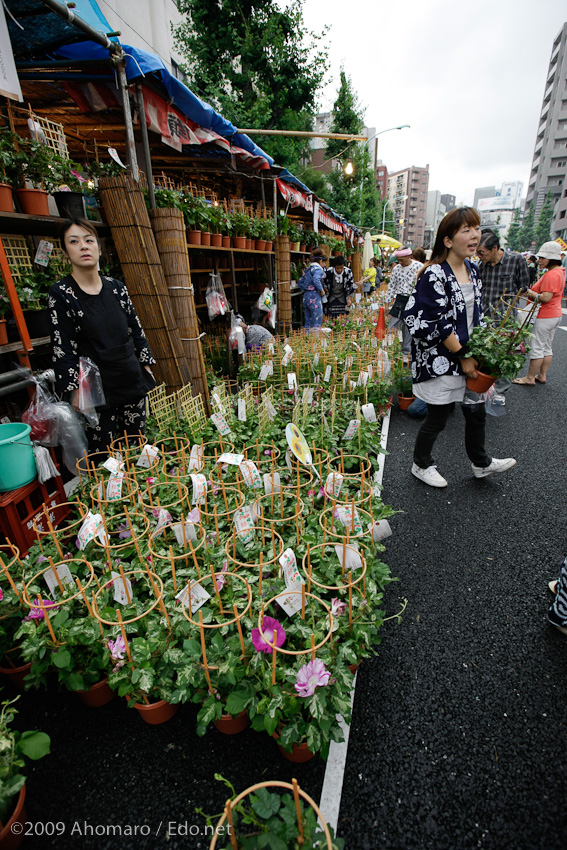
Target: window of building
[562, 214]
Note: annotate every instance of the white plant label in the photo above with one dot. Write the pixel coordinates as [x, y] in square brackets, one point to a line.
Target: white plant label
[43, 253]
[221, 424]
[316, 359]
[196, 459]
[348, 361]
[333, 484]
[369, 412]
[190, 533]
[199, 488]
[290, 601]
[353, 427]
[271, 348]
[272, 413]
[91, 524]
[64, 574]
[308, 395]
[241, 410]
[114, 486]
[163, 518]
[198, 597]
[291, 381]
[374, 306]
[244, 524]
[291, 573]
[288, 355]
[357, 297]
[216, 398]
[369, 369]
[373, 342]
[354, 385]
[264, 372]
[147, 457]
[380, 530]
[288, 459]
[352, 559]
[363, 379]
[327, 375]
[113, 464]
[229, 457]
[250, 474]
[272, 483]
[122, 594]
[345, 515]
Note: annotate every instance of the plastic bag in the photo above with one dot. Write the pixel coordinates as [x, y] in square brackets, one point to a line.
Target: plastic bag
[236, 339]
[265, 300]
[217, 303]
[55, 423]
[39, 415]
[493, 406]
[272, 316]
[91, 393]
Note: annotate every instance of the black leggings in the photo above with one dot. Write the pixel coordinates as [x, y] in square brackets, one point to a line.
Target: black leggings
[435, 421]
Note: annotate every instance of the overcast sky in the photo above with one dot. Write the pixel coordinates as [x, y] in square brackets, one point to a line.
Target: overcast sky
[468, 77]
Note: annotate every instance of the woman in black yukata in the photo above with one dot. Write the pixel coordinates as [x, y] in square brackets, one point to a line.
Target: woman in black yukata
[93, 316]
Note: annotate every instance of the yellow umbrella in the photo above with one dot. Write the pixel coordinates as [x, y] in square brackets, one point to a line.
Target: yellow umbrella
[386, 241]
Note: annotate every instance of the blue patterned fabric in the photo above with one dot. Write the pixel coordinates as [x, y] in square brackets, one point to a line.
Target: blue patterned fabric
[433, 312]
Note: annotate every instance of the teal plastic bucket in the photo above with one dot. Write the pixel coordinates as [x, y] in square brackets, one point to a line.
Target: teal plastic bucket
[17, 465]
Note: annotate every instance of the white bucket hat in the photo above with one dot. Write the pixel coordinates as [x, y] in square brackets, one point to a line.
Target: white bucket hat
[549, 251]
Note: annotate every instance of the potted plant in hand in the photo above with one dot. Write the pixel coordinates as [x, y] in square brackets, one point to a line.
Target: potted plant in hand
[499, 346]
[15, 747]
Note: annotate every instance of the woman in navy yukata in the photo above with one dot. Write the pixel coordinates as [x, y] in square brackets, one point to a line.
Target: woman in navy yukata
[440, 314]
[312, 284]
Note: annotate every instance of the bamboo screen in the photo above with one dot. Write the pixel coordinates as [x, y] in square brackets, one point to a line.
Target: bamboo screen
[356, 267]
[169, 231]
[127, 215]
[284, 283]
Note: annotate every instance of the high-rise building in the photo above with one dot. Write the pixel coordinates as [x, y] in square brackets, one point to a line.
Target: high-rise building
[382, 179]
[407, 198]
[484, 192]
[549, 164]
[449, 202]
[434, 214]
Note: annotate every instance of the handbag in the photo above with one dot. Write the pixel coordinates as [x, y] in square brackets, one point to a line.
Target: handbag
[398, 307]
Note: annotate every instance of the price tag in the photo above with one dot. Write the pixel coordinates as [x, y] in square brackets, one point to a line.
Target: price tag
[290, 601]
[91, 524]
[291, 381]
[369, 412]
[190, 533]
[351, 430]
[221, 424]
[363, 379]
[327, 375]
[348, 520]
[380, 530]
[348, 361]
[264, 372]
[291, 573]
[198, 597]
[114, 486]
[272, 412]
[64, 574]
[250, 474]
[196, 458]
[373, 342]
[333, 484]
[147, 457]
[229, 457]
[288, 355]
[113, 464]
[316, 359]
[199, 488]
[241, 410]
[244, 524]
[352, 559]
[163, 518]
[122, 594]
[272, 483]
[114, 154]
[369, 369]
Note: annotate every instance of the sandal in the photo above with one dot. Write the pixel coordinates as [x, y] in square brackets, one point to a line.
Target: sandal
[540, 381]
[523, 382]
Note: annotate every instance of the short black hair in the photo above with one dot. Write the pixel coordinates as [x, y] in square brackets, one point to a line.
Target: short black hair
[338, 261]
[489, 239]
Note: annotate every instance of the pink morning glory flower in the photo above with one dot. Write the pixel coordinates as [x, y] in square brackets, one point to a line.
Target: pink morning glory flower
[220, 579]
[310, 677]
[36, 612]
[124, 531]
[150, 481]
[117, 648]
[272, 630]
[337, 607]
[1, 594]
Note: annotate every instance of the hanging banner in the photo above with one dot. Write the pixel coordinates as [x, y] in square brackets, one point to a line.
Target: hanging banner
[294, 196]
[9, 82]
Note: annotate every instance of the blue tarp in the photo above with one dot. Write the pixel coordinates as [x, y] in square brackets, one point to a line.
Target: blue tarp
[44, 31]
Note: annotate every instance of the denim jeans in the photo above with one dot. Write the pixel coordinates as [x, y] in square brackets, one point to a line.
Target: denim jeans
[435, 421]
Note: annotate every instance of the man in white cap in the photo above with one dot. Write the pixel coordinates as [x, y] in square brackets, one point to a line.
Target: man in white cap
[402, 282]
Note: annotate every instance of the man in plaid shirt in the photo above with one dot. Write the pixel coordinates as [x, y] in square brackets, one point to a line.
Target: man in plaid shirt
[500, 271]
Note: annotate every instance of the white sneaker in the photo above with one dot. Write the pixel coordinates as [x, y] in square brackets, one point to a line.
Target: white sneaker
[553, 586]
[428, 476]
[496, 465]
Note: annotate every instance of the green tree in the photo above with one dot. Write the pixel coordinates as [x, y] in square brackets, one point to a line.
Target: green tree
[527, 230]
[257, 64]
[514, 232]
[355, 196]
[543, 227]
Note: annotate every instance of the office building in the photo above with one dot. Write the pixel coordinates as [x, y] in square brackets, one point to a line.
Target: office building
[407, 199]
[449, 202]
[485, 192]
[434, 214]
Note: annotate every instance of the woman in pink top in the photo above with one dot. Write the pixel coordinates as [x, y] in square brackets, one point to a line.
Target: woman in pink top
[548, 292]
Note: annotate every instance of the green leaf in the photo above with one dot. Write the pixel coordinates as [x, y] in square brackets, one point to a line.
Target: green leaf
[62, 658]
[265, 804]
[34, 745]
[237, 702]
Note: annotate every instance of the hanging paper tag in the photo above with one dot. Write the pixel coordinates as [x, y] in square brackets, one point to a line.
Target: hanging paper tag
[373, 342]
[121, 593]
[353, 426]
[291, 573]
[369, 412]
[216, 398]
[357, 297]
[244, 524]
[380, 530]
[147, 457]
[190, 533]
[87, 531]
[114, 154]
[250, 474]
[199, 488]
[327, 375]
[64, 574]
[43, 253]
[102, 536]
[363, 379]
[369, 369]
[163, 518]
[291, 381]
[288, 354]
[352, 559]
[241, 410]
[353, 385]
[290, 601]
[272, 483]
[221, 424]
[272, 412]
[198, 597]
[196, 459]
[316, 359]
[271, 347]
[348, 361]
[264, 372]
[229, 457]
[333, 484]
[288, 459]
[345, 515]
[114, 486]
[113, 464]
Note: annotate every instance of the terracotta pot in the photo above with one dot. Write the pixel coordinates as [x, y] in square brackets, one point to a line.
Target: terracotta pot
[193, 237]
[250, 244]
[33, 201]
[97, 695]
[17, 675]
[231, 725]
[11, 838]
[480, 384]
[6, 198]
[302, 248]
[260, 244]
[299, 754]
[269, 245]
[205, 237]
[216, 240]
[156, 712]
[3, 332]
[239, 242]
[354, 667]
[404, 401]
[294, 246]
[226, 241]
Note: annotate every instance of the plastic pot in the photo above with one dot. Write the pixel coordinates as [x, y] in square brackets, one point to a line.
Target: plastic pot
[33, 201]
[193, 237]
[239, 242]
[300, 753]
[260, 244]
[205, 237]
[97, 695]
[3, 332]
[156, 712]
[480, 384]
[216, 240]
[231, 725]
[17, 675]
[10, 837]
[6, 198]
[226, 241]
[404, 401]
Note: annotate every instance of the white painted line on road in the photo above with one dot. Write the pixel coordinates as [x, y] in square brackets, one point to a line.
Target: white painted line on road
[330, 803]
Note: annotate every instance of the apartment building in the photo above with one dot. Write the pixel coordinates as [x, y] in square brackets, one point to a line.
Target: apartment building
[407, 198]
[549, 164]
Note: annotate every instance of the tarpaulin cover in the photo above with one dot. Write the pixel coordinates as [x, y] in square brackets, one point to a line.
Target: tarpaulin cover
[44, 31]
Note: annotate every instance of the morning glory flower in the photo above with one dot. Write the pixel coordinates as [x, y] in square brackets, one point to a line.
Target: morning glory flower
[272, 630]
[117, 648]
[124, 531]
[36, 612]
[310, 677]
[337, 607]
